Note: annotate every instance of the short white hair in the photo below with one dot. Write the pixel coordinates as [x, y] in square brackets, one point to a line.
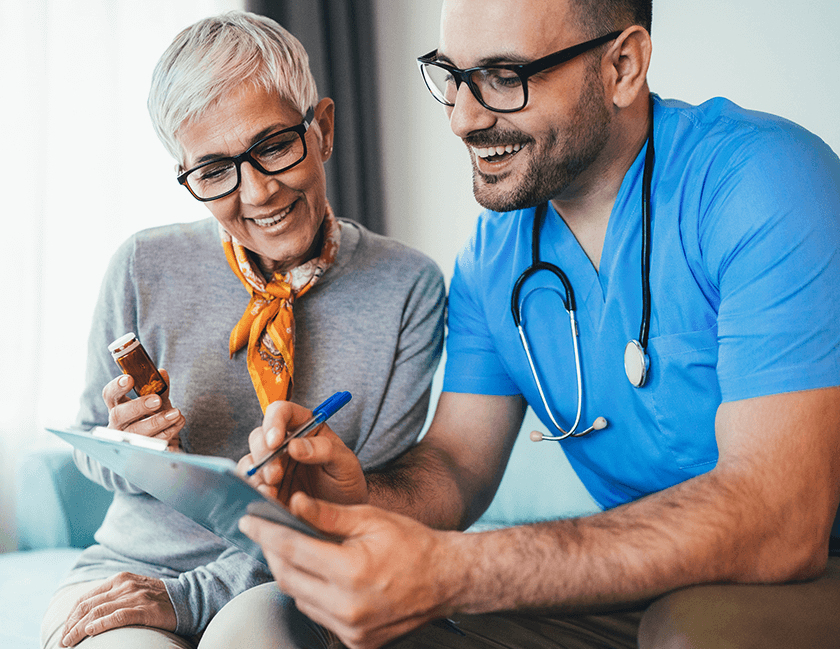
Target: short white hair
[215, 57]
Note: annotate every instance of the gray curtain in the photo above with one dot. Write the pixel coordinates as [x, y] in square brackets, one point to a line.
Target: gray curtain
[338, 35]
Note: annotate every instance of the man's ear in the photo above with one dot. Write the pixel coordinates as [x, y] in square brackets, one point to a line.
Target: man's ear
[625, 65]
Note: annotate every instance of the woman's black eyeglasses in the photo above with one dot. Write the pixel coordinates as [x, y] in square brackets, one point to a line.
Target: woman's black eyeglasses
[273, 154]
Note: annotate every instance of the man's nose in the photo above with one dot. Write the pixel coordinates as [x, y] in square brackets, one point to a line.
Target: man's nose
[468, 115]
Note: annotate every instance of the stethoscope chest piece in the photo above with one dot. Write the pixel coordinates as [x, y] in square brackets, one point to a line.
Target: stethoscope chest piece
[636, 363]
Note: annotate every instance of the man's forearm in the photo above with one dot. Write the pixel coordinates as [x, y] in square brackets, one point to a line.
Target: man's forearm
[702, 531]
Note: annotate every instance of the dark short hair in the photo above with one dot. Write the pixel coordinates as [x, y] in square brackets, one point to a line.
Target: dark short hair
[598, 17]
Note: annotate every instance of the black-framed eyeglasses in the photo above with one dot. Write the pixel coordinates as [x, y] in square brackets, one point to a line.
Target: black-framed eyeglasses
[274, 154]
[500, 88]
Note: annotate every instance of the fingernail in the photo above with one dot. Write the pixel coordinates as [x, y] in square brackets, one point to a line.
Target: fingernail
[172, 414]
[123, 381]
[152, 401]
[272, 436]
[307, 447]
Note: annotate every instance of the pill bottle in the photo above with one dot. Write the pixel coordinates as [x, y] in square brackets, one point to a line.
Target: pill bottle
[134, 361]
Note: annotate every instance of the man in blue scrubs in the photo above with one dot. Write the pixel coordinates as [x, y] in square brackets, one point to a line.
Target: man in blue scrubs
[719, 476]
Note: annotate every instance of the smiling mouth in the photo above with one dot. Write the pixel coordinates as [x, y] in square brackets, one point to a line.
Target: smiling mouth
[272, 220]
[497, 153]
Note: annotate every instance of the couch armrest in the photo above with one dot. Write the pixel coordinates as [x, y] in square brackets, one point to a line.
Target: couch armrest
[56, 506]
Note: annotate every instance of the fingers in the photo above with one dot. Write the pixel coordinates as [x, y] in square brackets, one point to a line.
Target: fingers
[280, 417]
[93, 607]
[116, 390]
[333, 519]
[343, 478]
[284, 415]
[152, 416]
[340, 585]
[123, 600]
[262, 445]
[285, 548]
[145, 416]
[81, 609]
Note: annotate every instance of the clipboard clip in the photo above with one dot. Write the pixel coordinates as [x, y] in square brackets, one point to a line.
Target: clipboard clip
[151, 443]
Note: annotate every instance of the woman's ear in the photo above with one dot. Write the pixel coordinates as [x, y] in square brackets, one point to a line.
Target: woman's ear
[627, 63]
[325, 119]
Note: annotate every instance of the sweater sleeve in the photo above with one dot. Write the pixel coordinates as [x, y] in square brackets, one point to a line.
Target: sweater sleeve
[114, 315]
[197, 595]
[418, 346]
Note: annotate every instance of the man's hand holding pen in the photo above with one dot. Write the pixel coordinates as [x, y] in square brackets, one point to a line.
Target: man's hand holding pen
[319, 465]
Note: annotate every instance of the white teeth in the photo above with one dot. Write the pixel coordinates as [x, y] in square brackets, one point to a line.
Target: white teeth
[271, 220]
[486, 152]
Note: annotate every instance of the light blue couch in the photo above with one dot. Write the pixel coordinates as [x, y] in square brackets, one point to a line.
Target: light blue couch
[58, 510]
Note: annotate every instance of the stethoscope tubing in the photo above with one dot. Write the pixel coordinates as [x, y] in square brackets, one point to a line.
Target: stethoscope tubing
[638, 348]
[573, 325]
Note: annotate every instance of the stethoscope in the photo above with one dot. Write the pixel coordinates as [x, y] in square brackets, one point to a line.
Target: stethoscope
[636, 360]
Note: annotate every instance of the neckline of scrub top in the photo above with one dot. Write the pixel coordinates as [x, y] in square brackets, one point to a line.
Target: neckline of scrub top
[591, 286]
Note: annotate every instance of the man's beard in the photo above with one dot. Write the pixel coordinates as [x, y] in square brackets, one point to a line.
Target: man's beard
[548, 174]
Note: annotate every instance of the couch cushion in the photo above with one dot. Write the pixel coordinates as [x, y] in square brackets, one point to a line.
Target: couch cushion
[27, 583]
[56, 505]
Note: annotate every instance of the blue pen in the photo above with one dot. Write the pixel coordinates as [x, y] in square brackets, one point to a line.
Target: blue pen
[319, 416]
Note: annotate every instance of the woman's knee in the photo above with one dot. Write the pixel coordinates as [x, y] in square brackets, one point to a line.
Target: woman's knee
[262, 617]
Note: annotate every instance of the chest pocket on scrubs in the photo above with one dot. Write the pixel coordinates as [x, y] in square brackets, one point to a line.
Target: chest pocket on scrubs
[685, 394]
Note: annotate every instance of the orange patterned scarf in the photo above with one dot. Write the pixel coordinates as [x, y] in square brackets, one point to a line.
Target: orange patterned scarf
[268, 324]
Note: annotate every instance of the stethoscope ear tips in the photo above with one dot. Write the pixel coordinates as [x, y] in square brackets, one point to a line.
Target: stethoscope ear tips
[536, 436]
[599, 424]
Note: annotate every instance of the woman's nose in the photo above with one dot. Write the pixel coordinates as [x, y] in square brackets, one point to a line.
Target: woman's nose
[255, 187]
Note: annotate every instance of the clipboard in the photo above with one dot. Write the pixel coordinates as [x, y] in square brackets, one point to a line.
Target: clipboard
[204, 488]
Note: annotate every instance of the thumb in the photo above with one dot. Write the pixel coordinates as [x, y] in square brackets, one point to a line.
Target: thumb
[336, 520]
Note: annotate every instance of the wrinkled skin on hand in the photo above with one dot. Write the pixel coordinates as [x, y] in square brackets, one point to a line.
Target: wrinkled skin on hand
[125, 599]
[151, 416]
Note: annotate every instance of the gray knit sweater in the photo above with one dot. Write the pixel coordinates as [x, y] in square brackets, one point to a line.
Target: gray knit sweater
[372, 325]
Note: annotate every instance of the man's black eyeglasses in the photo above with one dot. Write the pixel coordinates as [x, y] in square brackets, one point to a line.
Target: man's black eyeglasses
[500, 88]
[273, 154]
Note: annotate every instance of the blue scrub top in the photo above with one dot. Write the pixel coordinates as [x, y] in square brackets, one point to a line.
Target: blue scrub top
[744, 275]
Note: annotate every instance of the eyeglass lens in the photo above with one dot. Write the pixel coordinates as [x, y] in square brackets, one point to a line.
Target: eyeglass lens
[496, 87]
[273, 155]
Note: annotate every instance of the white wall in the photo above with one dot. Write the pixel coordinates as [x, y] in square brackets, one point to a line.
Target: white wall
[427, 176]
[777, 56]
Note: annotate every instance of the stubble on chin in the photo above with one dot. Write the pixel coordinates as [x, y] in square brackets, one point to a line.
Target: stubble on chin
[551, 164]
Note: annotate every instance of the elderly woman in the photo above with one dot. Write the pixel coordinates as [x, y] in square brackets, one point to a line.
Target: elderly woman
[274, 298]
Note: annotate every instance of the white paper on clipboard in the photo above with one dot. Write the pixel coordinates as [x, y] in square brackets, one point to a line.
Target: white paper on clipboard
[204, 488]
